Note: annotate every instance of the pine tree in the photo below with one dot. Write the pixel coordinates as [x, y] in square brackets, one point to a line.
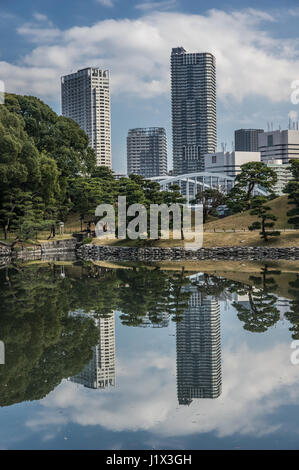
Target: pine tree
[263, 213]
[292, 189]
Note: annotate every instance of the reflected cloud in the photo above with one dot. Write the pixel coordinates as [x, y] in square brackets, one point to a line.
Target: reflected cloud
[255, 384]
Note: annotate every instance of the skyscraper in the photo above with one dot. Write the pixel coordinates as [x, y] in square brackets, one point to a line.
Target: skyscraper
[198, 349]
[100, 371]
[246, 140]
[193, 94]
[85, 98]
[147, 152]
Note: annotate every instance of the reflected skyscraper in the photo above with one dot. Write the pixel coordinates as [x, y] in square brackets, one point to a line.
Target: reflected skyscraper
[198, 345]
[100, 372]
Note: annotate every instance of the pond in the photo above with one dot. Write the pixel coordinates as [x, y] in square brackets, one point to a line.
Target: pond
[143, 357]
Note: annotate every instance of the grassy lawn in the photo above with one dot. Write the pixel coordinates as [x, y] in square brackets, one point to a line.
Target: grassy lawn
[279, 207]
[286, 239]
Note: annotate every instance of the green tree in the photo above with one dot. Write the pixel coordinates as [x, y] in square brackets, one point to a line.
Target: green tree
[252, 175]
[210, 199]
[292, 189]
[263, 212]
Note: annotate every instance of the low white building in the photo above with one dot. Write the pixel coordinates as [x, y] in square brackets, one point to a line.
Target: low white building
[229, 163]
[279, 145]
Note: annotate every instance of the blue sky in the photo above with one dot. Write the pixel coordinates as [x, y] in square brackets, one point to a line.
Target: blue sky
[256, 46]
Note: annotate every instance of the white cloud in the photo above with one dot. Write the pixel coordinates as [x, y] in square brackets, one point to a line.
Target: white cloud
[164, 5]
[255, 385]
[40, 17]
[106, 3]
[250, 61]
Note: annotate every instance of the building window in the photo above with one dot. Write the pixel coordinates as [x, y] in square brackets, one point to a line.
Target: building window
[214, 158]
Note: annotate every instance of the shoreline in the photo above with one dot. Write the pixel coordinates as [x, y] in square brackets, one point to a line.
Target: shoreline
[94, 252]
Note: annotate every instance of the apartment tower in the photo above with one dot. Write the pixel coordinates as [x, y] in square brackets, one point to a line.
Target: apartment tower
[147, 152]
[193, 95]
[198, 346]
[85, 98]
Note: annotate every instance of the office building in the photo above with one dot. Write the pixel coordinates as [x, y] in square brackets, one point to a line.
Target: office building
[246, 140]
[283, 173]
[147, 152]
[279, 145]
[100, 372]
[198, 345]
[229, 163]
[193, 96]
[85, 97]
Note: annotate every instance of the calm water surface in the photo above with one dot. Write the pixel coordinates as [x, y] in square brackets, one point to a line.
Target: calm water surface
[142, 358]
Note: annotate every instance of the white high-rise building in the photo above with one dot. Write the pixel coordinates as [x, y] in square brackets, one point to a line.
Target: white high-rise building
[85, 97]
[147, 152]
[100, 371]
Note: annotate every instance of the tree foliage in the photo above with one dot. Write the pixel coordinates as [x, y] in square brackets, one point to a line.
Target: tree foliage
[263, 212]
[292, 189]
[252, 175]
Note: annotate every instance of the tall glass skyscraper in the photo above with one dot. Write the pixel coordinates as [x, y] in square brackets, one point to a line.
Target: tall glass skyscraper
[198, 345]
[193, 94]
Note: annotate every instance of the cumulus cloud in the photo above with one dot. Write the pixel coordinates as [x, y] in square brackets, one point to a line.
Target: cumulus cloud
[250, 61]
[255, 384]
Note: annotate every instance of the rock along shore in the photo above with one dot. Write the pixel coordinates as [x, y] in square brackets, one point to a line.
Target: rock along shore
[117, 253]
[108, 253]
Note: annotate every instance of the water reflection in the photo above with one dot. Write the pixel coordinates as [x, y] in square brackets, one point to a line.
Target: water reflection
[100, 371]
[58, 321]
[198, 349]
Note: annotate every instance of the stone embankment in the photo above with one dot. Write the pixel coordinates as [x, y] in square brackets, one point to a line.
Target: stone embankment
[114, 253]
[40, 250]
[93, 252]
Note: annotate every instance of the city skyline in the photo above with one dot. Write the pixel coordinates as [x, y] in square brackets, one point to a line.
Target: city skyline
[134, 42]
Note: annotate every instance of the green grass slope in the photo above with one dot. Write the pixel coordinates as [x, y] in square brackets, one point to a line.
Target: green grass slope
[279, 207]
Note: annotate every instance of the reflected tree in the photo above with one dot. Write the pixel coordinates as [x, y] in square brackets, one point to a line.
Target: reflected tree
[293, 314]
[260, 312]
[43, 343]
